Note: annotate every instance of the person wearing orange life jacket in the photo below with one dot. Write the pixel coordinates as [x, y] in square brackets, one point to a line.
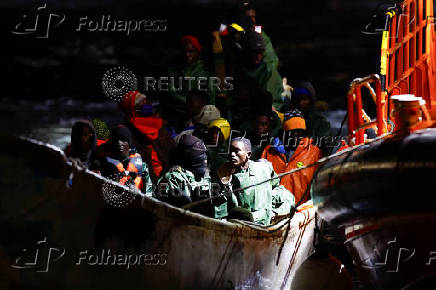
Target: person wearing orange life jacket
[116, 160]
[295, 151]
[150, 137]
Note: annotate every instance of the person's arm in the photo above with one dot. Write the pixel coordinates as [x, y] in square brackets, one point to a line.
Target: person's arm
[148, 184]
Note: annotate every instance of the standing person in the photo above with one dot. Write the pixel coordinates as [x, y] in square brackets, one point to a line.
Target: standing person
[150, 137]
[259, 203]
[185, 74]
[246, 9]
[115, 159]
[83, 142]
[255, 67]
[294, 151]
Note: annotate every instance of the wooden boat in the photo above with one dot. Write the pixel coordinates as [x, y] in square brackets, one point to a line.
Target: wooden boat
[58, 232]
[380, 192]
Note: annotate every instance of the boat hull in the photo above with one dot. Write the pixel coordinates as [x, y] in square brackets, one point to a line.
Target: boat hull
[382, 195]
[59, 233]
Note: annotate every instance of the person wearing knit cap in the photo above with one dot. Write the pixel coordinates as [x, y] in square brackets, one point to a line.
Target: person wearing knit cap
[318, 127]
[295, 150]
[117, 159]
[185, 73]
[188, 180]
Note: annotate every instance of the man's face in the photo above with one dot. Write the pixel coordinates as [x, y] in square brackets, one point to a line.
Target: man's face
[293, 138]
[86, 139]
[252, 14]
[121, 148]
[215, 137]
[256, 57]
[262, 125]
[238, 154]
[304, 103]
[191, 54]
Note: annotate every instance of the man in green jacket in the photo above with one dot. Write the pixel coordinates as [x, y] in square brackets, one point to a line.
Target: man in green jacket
[261, 202]
[189, 179]
[186, 75]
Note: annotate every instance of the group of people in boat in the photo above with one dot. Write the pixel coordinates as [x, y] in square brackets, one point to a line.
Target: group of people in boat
[214, 144]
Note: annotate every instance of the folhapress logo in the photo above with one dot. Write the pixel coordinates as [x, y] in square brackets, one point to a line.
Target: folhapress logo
[43, 22]
[40, 25]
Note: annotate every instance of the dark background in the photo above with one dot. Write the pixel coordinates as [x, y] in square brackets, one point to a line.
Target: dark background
[320, 41]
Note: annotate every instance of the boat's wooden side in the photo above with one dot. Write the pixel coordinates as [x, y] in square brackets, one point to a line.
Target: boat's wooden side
[157, 246]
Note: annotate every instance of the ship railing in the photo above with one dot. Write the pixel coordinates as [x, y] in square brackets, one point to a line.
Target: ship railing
[358, 119]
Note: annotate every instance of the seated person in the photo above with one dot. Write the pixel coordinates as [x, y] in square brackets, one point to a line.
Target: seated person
[117, 160]
[294, 151]
[83, 142]
[262, 131]
[257, 204]
[188, 180]
[216, 138]
[150, 137]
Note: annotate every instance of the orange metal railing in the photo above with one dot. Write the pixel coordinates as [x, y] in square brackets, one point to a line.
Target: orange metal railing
[407, 66]
[358, 120]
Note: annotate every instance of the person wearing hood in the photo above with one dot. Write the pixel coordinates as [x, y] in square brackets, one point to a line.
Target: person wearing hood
[116, 159]
[318, 127]
[83, 142]
[256, 204]
[188, 180]
[150, 137]
[187, 73]
[294, 151]
[255, 67]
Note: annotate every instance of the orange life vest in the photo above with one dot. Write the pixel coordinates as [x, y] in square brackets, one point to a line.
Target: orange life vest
[305, 154]
[134, 165]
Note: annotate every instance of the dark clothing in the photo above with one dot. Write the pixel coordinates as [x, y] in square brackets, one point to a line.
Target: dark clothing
[74, 149]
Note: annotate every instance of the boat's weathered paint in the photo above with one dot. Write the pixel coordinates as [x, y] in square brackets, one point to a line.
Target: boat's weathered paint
[78, 228]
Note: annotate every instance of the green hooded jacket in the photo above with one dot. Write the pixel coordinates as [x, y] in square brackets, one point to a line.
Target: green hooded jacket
[263, 200]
